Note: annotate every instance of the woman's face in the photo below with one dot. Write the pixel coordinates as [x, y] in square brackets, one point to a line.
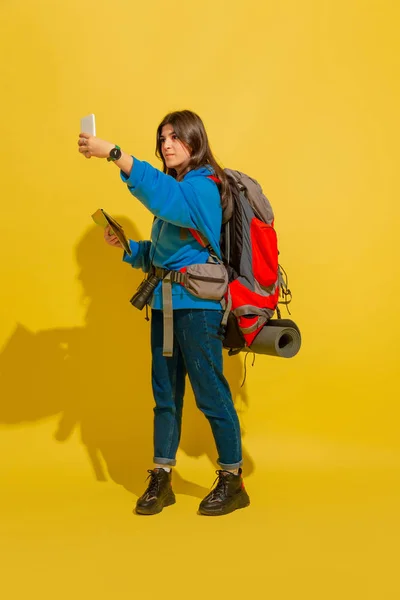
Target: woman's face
[175, 152]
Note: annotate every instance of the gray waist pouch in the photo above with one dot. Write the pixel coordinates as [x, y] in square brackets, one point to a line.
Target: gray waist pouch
[208, 281]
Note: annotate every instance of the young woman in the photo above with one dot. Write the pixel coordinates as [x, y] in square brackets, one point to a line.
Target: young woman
[182, 197]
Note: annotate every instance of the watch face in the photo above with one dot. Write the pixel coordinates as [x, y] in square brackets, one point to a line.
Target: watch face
[115, 153]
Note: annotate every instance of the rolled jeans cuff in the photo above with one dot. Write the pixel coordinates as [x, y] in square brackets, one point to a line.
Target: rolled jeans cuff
[231, 466]
[169, 462]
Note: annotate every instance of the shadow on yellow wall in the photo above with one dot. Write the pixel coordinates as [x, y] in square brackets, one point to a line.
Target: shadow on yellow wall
[97, 377]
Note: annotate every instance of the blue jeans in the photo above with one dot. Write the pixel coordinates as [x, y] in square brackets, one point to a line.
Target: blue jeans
[198, 353]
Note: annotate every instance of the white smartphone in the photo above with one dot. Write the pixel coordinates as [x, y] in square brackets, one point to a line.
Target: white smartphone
[88, 125]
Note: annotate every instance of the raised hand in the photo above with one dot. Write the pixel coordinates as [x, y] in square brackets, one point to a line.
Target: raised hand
[90, 145]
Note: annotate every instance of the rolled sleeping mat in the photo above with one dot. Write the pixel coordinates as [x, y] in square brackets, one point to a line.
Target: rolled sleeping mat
[278, 337]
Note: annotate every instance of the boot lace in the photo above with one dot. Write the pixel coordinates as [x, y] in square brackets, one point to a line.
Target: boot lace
[221, 490]
[154, 485]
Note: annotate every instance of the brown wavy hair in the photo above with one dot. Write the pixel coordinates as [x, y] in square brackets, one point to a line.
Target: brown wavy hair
[190, 129]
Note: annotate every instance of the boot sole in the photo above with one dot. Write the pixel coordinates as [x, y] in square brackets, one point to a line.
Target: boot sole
[167, 502]
[242, 504]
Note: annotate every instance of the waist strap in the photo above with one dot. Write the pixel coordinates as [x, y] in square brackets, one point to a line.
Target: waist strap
[168, 277]
[168, 316]
[176, 276]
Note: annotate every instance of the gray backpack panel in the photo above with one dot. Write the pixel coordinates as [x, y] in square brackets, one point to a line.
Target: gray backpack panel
[257, 200]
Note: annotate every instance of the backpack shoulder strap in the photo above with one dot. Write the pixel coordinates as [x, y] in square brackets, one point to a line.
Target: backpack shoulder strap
[199, 237]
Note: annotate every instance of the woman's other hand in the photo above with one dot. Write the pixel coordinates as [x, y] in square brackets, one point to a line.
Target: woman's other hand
[111, 238]
[90, 145]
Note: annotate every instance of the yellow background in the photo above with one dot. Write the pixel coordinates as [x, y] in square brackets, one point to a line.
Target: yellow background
[304, 97]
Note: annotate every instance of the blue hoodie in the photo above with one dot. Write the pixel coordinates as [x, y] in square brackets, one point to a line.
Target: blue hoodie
[193, 203]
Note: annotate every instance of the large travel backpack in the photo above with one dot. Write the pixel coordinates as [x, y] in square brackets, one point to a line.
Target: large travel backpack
[249, 281]
[257, 283]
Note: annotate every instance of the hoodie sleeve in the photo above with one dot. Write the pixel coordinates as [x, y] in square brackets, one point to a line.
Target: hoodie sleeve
[140, 257]
[192, 203]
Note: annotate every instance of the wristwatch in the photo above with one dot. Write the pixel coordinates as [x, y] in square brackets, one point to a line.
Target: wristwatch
[115, 154]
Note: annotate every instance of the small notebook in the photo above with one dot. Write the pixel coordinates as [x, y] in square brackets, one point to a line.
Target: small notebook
[100, 217]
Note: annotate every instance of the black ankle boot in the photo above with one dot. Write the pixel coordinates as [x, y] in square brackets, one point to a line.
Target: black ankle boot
[158, 494]
[228, 495]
